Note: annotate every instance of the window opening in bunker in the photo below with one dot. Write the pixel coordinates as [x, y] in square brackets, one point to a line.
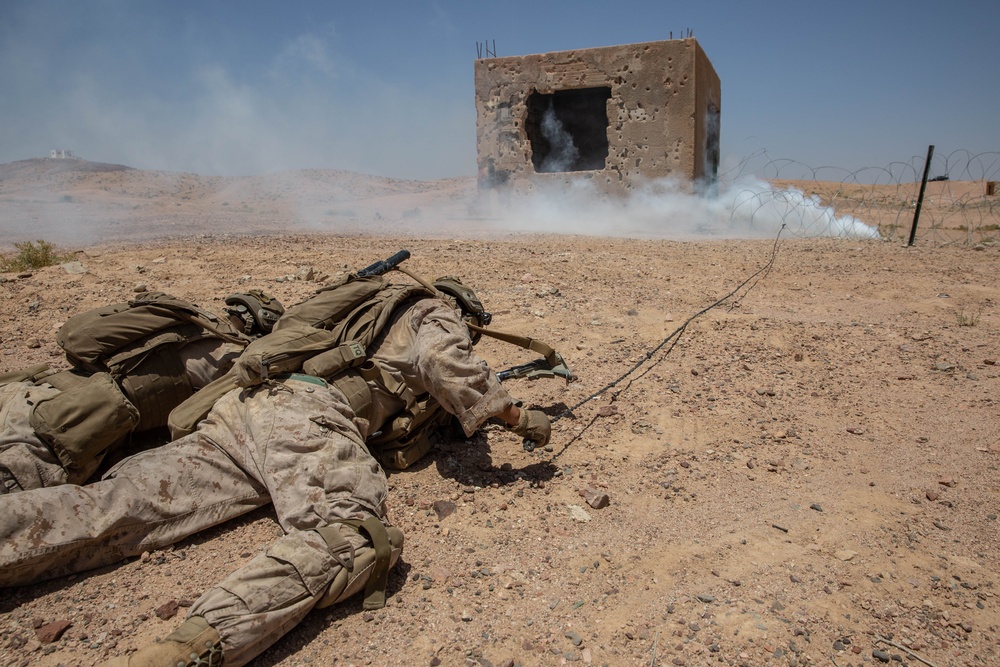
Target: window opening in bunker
[712, 123]
[568, 129]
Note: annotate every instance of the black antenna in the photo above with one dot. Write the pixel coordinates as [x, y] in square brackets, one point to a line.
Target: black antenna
[482, 47]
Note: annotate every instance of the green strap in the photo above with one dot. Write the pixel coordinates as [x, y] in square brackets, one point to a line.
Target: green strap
[379, 577]
[527, 343]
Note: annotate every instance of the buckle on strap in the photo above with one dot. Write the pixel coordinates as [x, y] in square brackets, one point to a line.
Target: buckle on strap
[339, 547]
[374, 529]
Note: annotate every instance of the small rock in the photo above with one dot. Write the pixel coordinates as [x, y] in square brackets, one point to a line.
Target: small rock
[947, 481]
[139, 288]
[855, 430]
[167, 610]
[881, 656]
[443, 508]
[845, 554]
[816, 506]
[51, 632]
[595, 498]
[74, 268]
[578, 514]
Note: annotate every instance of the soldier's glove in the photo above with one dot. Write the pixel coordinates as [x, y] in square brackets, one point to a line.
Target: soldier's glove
[534, 426]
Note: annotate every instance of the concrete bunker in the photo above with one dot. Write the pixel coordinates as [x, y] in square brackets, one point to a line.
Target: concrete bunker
[616, 116]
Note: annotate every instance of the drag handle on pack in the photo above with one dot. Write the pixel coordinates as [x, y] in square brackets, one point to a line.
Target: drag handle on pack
[385, 265]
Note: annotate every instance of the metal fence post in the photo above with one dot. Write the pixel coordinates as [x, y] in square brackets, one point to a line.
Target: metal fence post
[920, 197]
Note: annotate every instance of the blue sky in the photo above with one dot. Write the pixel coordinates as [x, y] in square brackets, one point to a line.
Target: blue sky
[386, 88]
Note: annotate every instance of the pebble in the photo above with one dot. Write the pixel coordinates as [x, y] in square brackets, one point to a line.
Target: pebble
[595, 498]
[51, 632]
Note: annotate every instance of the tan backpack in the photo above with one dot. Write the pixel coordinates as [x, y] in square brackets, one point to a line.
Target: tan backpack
[321, 336]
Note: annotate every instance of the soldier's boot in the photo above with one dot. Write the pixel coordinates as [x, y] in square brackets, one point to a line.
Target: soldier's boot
[365, 567]
[194, 642]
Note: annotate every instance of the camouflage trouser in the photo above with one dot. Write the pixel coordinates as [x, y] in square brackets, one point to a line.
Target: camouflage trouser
[25, 461]
[296, 445]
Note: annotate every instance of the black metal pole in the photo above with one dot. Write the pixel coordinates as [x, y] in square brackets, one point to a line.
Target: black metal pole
[920, 197]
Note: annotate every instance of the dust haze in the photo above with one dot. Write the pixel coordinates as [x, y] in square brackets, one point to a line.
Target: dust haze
[76, 201]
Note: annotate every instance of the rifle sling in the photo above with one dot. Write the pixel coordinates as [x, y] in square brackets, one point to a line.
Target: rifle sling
[522, 341]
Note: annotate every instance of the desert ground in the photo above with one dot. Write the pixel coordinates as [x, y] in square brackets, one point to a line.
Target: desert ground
[798, 438]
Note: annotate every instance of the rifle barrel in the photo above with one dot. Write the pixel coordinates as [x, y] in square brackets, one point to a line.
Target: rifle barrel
[384, 265]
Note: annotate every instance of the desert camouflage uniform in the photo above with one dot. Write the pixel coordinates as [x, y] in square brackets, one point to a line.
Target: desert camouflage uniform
[26, 462]
[296, 444]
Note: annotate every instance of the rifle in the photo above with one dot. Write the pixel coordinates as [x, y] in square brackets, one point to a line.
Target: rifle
[384, 265]
[539, 368]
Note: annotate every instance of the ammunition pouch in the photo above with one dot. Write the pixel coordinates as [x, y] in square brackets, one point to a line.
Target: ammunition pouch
[156, 385]
[84, 421]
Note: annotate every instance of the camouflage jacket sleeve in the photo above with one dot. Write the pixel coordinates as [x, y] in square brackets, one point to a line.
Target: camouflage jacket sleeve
[449, 368]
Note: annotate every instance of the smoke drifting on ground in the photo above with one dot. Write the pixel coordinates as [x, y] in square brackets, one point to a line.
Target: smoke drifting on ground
[663, 209]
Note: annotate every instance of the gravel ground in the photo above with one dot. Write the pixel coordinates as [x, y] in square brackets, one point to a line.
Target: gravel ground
[803, 474]
[806, 475]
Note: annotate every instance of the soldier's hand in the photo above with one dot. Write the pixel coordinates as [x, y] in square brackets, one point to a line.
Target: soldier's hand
[533, 425]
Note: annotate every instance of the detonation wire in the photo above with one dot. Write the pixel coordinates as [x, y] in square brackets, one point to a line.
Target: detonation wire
[672, 339]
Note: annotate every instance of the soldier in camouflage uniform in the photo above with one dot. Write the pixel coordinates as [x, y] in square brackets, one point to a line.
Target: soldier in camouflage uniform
[295, 442]
[27, 461]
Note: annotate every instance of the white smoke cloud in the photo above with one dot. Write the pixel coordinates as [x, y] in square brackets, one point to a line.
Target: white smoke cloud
[563, 152]
[664, 209]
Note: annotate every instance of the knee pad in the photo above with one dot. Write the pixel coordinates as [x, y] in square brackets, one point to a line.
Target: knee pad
[367, 566]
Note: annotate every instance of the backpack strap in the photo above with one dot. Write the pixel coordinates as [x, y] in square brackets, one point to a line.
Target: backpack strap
[29, 374]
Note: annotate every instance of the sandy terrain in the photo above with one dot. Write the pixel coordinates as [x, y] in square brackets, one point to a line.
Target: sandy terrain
[808, 477]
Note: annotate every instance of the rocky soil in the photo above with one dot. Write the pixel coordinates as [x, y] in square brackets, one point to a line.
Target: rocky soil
[776, 453]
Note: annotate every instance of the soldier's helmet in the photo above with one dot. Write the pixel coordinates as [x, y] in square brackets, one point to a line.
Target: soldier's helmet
[466, 300]
[254, 312]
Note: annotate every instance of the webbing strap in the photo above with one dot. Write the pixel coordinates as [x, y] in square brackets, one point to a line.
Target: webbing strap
[379, 577]
[522, 341]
